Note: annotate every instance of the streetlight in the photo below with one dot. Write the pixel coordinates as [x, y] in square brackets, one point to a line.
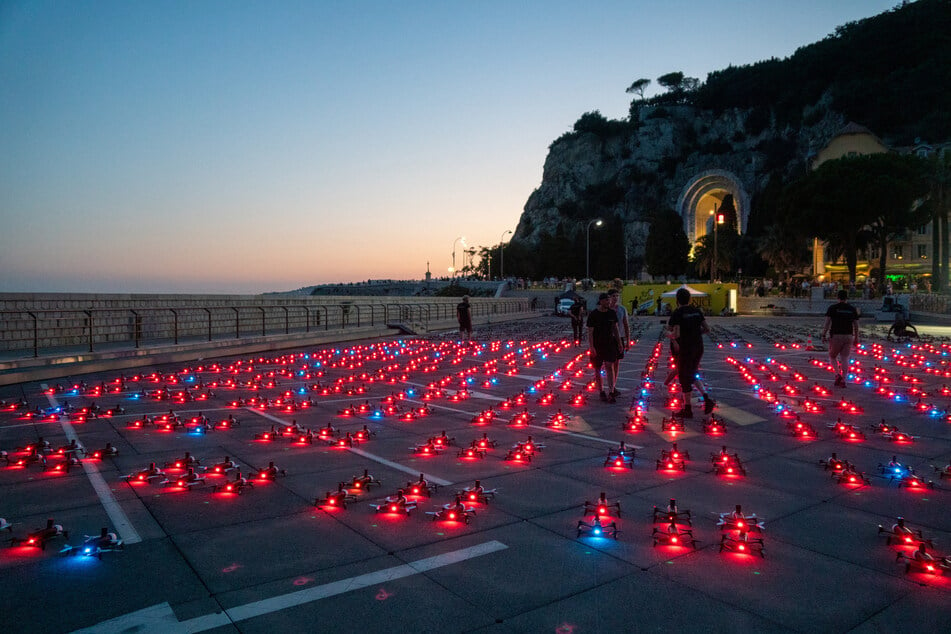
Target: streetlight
[587, 246]
[717, 220]
[501, 255]
[452, 269]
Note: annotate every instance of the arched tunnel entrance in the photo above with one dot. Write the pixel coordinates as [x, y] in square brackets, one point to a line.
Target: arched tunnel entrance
[704, 193]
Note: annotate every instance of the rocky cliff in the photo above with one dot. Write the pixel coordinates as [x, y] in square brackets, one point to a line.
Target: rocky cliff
[626, 170]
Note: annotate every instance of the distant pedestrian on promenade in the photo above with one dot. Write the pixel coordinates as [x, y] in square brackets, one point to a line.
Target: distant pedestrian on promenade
[842, 320]
[687, 325]
[464, 315]
[604, 346]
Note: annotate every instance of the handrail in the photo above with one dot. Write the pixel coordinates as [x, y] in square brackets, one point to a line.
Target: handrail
[42, 331]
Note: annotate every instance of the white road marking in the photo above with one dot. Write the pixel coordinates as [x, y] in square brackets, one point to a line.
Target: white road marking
[576, 435]
[161, 618]
[395, 465]
[119, 519]
[738, 416]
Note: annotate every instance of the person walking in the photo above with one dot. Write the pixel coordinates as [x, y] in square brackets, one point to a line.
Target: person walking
[686, 327]
[604, 346]
[842, 322]
[578, 312]
[624, 327]
[464, 315]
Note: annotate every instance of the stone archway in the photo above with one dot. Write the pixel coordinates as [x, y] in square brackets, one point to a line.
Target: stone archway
[697, 199]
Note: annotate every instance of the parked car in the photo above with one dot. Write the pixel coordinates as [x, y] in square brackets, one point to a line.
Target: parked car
[564, 306]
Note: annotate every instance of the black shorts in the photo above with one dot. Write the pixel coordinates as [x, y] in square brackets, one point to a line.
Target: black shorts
[607, 354]
[688, 362]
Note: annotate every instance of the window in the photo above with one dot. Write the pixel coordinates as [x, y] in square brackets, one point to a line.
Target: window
[897, 252]
[874, 253]
[923, 230]
[922, 251]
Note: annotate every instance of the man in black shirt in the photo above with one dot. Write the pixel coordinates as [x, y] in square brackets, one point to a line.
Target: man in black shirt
[843, 321]
[578, 311]
[604, 345]
[687, 326]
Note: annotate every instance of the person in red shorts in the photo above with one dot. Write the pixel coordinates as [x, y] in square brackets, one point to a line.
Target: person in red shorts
[842, 320]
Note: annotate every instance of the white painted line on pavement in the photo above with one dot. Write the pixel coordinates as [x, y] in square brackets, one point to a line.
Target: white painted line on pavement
[161, 617]
[267, 416]
[274, 604]
[738, 416]
[576, 435]
[395, 465]
[119, 519]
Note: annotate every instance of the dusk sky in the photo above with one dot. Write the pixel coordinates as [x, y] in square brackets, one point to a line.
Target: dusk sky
[241, 147]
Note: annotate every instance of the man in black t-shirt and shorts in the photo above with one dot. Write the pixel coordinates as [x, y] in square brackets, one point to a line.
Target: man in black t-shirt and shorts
[604, 345]
[842, 319]
[687, 325]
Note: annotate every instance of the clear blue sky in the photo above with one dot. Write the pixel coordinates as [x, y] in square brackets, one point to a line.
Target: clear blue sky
[242, 147]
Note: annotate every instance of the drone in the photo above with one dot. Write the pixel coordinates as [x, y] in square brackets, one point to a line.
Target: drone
[672, 535]
[892, 433]
[601, 507]
[471, 452]
[849, 475]
[40, 536]
[725, 463]
[270, 472]
[421, 487]
[483, 443]
[395, 504]
[943, 472]
[477, 493]
[742, 543]
[95, 545]
[187, 462]
[902, 535]
[227, 423]
[802, 429]
[597, 529]
[620, 457]
[835, 464]
[336, 499]
[454, 512]
[672, 425]
[714, 427]
[364, 481]
[921, 561]
[847, 431]
[146, 475]
[672, 514]
[429, 448]
[223, 467]
[186, 481]
[238, 485]
[106, 452]
[736, 520]
[673, 459]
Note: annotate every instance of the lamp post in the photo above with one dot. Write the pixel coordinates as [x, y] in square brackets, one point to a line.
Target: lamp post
[587, 246]
[501, 255]
[452, 269]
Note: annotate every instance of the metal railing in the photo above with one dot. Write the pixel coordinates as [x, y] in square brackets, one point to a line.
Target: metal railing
[62, 330]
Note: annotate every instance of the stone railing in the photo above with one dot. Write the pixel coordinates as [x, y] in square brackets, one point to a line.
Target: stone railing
[39, 324]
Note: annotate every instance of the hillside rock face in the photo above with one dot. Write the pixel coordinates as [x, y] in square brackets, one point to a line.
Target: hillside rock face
[672, 157]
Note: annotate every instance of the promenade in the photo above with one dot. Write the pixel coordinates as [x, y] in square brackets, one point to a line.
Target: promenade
[270, 559]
